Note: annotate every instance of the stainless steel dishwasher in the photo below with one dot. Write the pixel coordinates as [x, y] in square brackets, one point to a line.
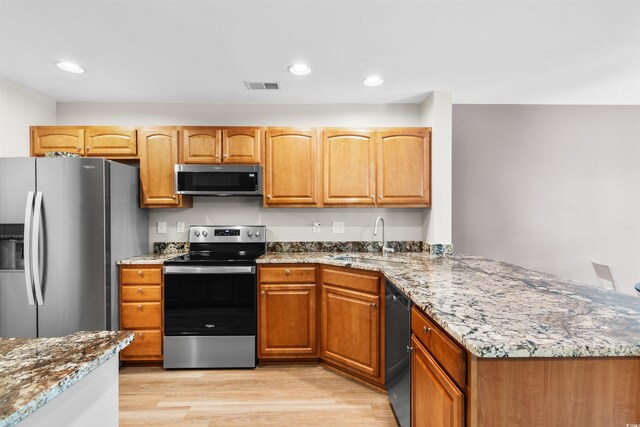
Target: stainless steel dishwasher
[397, 352]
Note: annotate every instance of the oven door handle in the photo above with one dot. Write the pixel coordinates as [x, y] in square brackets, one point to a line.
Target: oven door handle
[230, 269]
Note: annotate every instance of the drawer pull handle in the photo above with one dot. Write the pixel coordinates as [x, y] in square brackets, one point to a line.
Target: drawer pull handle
[139, 307]
[425, 330]
[139, 290]
[263, 293]
[140, 273]
[287, 271]
[374, 304]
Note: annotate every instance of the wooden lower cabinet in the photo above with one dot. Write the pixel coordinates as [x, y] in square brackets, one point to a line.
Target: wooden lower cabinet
[352, 323]
[141, 307]
[287, 312]
[287, 321]
[436, 401]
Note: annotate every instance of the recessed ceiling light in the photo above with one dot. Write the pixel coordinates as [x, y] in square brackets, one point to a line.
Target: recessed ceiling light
[373, 81]
[299, 69]
[70, 67]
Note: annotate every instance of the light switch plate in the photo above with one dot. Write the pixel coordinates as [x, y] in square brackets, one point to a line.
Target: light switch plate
[316, 227]
[180, 226]
[162, 227]
[337, 227]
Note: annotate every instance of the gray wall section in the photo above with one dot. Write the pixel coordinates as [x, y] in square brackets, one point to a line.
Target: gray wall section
[549, 187]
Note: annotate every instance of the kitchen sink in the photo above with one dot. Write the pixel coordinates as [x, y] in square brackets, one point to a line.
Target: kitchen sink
[348, 258]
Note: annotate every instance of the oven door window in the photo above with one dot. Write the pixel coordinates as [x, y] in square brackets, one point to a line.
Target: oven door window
[210, 304]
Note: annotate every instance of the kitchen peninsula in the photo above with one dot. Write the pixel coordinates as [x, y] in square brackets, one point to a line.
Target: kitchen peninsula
[65, 381]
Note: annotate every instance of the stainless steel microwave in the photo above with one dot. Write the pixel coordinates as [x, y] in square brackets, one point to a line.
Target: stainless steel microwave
[219, 180]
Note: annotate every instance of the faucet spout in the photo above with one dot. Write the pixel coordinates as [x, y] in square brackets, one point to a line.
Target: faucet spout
[385, 249]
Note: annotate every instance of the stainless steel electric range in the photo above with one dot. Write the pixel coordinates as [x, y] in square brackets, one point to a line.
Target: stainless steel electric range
[210, 298]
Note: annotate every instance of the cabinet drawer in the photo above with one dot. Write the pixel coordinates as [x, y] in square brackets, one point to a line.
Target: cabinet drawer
[351, 280]
[286, 274]
[141, 275]
[141, 315]
[141, 293]
[448, 354]
[145, 345]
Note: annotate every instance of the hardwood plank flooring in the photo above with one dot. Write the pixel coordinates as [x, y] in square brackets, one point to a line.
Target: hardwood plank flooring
[267, 396]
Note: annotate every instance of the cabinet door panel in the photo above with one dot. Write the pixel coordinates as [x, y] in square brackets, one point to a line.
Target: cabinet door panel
[201, 145]
[241, 145]
[110, 142]
[435, 399]
[350, 330]
[158, 156]
[348, 167]
[404, 167]
[56, 138]
[290, 175]
[287, 321]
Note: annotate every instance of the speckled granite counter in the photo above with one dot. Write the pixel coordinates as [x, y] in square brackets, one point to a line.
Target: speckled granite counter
[149, 258]
[35, 370]
[495, 309]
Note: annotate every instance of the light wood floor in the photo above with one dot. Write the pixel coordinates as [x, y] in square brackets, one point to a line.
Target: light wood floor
[271, 395]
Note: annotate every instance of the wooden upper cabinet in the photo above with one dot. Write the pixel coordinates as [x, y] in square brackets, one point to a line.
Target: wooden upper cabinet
[349, 162]
[201, 145]
[110, 142]
[241, 145]
[69, 139]
[158, 156]
[404, 167]
[435, 399]
[290, 170]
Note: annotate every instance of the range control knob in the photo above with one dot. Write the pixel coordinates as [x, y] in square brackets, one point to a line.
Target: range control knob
[257, 233]
[197, 233]
[249, 233]
[204, 233]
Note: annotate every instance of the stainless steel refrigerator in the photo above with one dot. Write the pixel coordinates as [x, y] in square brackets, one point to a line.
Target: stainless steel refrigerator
[64, 222]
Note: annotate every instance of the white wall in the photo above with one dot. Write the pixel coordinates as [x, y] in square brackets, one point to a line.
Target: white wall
[435, 112]
[283, 224]
[549, 187]
[20, 108]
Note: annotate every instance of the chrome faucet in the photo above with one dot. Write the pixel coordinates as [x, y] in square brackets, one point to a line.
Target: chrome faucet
[385, 249]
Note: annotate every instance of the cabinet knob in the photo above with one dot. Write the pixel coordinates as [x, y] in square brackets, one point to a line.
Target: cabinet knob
[139, 290]
[263, 293]
[87, 148]
[287, 271]
[139, 307]
[374, 304]
[425, 330]
[79, 148]
[140, 273]
[225, 156]
[173, 197]
[140, 335]
[380, 196]
[268, 196]
[373, 197]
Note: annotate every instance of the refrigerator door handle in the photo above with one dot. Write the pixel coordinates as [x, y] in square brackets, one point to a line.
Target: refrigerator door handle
[35, 247]
[28, 217]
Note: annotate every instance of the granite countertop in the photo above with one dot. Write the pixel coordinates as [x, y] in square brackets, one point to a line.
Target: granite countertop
[35, 370]
[495, 309]
[153, 258]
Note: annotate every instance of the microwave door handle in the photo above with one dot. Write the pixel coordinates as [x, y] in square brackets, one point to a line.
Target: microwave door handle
[28, 218]
[35, 247]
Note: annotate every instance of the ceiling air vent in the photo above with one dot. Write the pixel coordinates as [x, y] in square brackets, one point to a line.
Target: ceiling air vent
[262, 85]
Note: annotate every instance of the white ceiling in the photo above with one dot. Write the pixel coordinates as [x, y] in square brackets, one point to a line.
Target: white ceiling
[521, 52]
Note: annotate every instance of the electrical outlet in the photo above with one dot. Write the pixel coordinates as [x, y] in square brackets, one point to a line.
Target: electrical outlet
[162, 227]
[316, 227]
[337, 227]
[180, 226]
